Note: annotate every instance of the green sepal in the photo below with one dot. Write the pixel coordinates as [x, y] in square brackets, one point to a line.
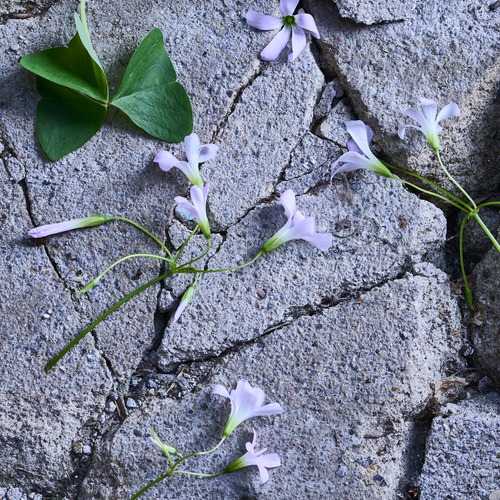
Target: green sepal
[76, 66]
[468, 296]
[65, 119]
[149, 94]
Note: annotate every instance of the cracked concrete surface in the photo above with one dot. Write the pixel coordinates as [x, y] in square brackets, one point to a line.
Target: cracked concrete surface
[347, 341]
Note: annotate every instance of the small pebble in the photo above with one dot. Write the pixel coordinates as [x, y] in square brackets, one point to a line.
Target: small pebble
[378, 477]
[342, 471]
[131, 403]
[151, 384]
[111, 407]
[87, 450]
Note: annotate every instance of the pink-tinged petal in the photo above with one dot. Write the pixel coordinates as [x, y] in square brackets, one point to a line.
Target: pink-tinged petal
[319, 240]
[297, 218]
[346, 168]
[416, 115]
[179, 311]
[186, 169]
[191, 145]
[207, 152]
[298, 43]
[276, 45]
[270, 460]
[355, 160]
[287, 199]
[184, 203]
[288, 6]
[303, 228]
[359, 132]
[449, 111]
[221, 391]
[199, 198]
[267, 410]
[401, 130]
[306, 21]
[47, 230]
[264, 475]
[351, 146]
[430, 108]
[262, 21]
[165, 160]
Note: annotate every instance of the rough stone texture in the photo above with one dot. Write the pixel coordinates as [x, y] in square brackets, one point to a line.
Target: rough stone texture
[375, 12]
[39, 411]
[333, 128]
[462, 452]
[446, 51]
[395, 229]
[340, 375]
[475, 239]
[23, 7]
[485, 335]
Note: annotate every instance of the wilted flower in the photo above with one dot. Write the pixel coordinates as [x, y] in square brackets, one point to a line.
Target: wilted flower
[246, 402]
[297, 227]
[252, 457]
[60, 227]
[198, 208]
[186, 298]
[289, 24]
[195, 154]
[360, 155]
[428, 121]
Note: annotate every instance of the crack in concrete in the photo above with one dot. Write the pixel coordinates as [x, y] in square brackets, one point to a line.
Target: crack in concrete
[31, 10]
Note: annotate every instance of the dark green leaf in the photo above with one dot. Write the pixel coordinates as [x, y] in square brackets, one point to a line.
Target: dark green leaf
[76, 66]
[150, 96]
[65, 119]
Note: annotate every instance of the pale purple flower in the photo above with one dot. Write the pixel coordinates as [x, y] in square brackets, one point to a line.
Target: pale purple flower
[360, 155]
[195, 154]
[297, 227]
[198, 208]
[186, 298]
[61, 227]
[289, 24]
[252, 457]
[428, 121]
[246, 402]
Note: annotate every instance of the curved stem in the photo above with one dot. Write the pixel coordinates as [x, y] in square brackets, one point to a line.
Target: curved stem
[103, 316]
[486, 230]
[118, 262]
[347, 235]
[197, 258]
[468, 293]
[434, 194]
[488, 204]
[84, 17]
[181, 270]
[455, 182]
[197, 473]
[152, 483]
[147, 232]
[185, 243]
[199, 453]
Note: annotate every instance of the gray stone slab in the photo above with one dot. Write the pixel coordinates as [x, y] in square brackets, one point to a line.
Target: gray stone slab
[375, 12]
[340, 375]
[333, 127]
[486, 323]
[40, 413]
[395, 229]
[445, 51]
[461, 460]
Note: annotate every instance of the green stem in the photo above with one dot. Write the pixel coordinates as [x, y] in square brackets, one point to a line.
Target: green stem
[186, 242]
[152, 483]
[433, 184]
[486, 230]
[488, 204]
[195, 454]
[434, 194]
[122, 260]
[197, 258]
[197, 473]
[455, 182]
[103, 316]
[347, 235]
[83, 16]
[147, 232]
[468, 293]
[181, 270]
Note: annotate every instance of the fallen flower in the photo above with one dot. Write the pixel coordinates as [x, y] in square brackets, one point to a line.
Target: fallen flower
[186, 298]
[198, 208]
[297, 227]
[360, 155]
[428, 121]
[61, 227]
[195, 154]
[252, 457]
[246, 402]
[289, 24]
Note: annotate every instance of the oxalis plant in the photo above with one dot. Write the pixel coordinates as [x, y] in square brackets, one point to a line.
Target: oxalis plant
[75, 92]
[360, 156]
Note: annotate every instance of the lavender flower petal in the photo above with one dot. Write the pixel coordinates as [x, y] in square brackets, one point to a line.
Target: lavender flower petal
[165, 160]
[449, 111]
[262, 21]
[298, 43]
[288, 6]
[207, 152]
[307, 22]
[276, 45]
